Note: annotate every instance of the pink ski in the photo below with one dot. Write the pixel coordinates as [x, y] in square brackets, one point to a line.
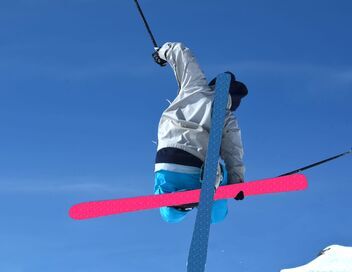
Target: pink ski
[95, 209]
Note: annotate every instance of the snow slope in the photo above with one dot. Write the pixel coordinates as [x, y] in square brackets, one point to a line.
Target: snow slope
[333, 258]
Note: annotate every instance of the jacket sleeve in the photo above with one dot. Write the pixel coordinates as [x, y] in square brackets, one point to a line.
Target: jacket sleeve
[232, 149]
[188, 73]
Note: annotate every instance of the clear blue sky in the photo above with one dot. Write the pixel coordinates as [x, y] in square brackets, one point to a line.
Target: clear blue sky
[80, 101]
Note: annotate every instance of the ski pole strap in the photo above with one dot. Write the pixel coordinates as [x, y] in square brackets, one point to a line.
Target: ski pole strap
[146, 24]
[317, 163]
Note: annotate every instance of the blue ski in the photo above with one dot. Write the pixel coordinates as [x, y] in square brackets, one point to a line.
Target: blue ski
[199, 246]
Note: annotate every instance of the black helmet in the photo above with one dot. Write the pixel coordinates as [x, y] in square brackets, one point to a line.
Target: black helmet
[237, 91]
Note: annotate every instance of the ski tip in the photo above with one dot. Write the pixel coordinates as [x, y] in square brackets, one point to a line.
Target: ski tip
[75, 213]
[72, 214]
[301, 181]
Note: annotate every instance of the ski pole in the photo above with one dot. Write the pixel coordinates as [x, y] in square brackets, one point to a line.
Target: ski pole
[146, 25]
[317, 163]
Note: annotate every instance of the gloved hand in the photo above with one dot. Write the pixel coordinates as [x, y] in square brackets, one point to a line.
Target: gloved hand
[157, 58]
[240, 195]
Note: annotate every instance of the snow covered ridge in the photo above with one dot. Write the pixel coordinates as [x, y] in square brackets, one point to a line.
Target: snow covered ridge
[333, 258]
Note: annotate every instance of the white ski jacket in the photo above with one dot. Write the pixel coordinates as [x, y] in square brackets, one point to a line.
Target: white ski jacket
[185, 124]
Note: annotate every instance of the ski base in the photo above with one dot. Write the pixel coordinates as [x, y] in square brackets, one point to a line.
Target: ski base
[96, 209]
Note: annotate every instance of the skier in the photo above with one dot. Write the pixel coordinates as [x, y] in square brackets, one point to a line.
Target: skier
[183, 134]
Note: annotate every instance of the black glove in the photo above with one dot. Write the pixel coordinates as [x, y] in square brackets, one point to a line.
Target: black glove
[158, 60]
[240, 196]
